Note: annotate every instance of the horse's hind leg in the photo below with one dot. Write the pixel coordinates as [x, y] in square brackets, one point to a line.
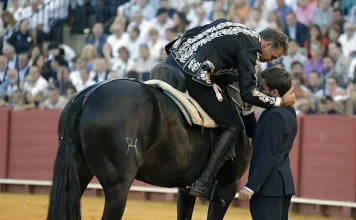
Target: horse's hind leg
[227, 193]
[185, 205]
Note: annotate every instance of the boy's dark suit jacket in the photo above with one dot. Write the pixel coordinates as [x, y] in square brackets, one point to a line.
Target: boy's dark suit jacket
[272, 140]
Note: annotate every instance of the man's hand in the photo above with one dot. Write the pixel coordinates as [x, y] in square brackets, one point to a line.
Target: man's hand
[245, 194]
[289, 97]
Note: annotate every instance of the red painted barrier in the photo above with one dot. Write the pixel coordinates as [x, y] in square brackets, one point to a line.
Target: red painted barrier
[4, 144]
[323, 158]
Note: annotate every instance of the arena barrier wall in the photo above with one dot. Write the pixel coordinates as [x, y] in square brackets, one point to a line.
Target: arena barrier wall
[323, 162]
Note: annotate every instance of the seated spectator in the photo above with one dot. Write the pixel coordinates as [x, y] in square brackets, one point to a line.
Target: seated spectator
[314, 35]
[294, 54]
[145, 63]
[295, 30]
[200, 19]
[98, 38]
[118, 38]
[123, 64]
[328, 68]
[12, 59]
[304, 107]
[36, 84]
[323, 14]
[35, 51]
[142, 6]
[89, 55]
[101, 70]
[54, 100]
[85, 81]
[74, 76]
[328, 106]
[348, 40]
[155, 44]
[282, 10]
[27, 102]
[305, 12]
[314, 82]
[331, 89]
[3, 68]
[337, 21]
[316, 61]
[162, 22]
[300, 90]
[143, 25]
[10, 85]
[24, 67]
[342, 63]
[22, 39]
[15, 99]
[63, 80]
[333, 34]
[133, 43]
[71, 91]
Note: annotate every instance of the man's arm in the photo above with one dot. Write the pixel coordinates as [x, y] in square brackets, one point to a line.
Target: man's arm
[249, 120]
[246, 66]
[271, 141]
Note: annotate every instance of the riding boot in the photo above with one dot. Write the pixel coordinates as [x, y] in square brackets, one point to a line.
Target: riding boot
[226, 142]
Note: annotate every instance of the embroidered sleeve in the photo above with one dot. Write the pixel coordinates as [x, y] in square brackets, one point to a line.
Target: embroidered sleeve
[246, 65]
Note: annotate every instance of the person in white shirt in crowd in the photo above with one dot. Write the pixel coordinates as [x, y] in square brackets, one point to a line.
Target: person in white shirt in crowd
[74, 75]
[101, 70]
[142, 24]
[16, 10]
[122, 65]
[11, 84]
[36, 84]
[162, 22]
[146, 61]
[200, 19]
[342, 63]
[38, 16]
[118, 38]
[331, 89]
[256, 16]
[348, 40]
[24, 66]
[323, 14]
[12, 60]
[294, 54]
[85, 81]
[3, 68]
[142, 6]
[155, 44]
[352, 70]
[133, 42]
[54, 100]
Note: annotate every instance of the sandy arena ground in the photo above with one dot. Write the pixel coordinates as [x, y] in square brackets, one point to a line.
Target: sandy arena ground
[34, 207]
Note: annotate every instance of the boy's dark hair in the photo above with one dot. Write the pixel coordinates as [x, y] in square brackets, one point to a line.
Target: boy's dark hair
[278, 39]
[277, 78]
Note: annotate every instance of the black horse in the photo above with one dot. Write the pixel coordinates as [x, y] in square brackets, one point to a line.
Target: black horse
[123, 130]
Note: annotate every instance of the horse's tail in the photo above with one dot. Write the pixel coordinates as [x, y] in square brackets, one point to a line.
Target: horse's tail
[64, 200]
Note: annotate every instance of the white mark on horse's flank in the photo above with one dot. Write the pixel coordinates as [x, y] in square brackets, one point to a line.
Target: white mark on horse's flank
[129, 144]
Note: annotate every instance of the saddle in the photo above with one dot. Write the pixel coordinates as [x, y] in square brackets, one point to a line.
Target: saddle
[172, 81]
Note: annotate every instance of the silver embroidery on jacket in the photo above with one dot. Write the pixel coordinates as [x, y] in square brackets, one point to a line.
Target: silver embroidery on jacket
[194, 65]
[263, 97]
[187, 48]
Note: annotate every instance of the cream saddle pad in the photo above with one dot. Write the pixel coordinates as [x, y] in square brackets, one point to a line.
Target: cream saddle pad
[191, 110]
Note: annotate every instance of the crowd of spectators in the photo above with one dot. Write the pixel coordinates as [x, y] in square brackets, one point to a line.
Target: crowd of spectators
[127, 37]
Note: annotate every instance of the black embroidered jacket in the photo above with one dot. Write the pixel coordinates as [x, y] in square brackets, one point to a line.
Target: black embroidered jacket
[218, 48]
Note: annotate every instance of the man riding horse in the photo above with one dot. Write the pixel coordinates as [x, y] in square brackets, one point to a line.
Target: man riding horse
[206, 52]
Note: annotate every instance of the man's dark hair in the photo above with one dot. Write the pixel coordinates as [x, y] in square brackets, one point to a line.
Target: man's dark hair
[277, 78]
[278, 39]
[60, 60]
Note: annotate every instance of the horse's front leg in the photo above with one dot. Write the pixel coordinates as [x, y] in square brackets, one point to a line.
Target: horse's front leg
[185, 205]
[227, 193]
